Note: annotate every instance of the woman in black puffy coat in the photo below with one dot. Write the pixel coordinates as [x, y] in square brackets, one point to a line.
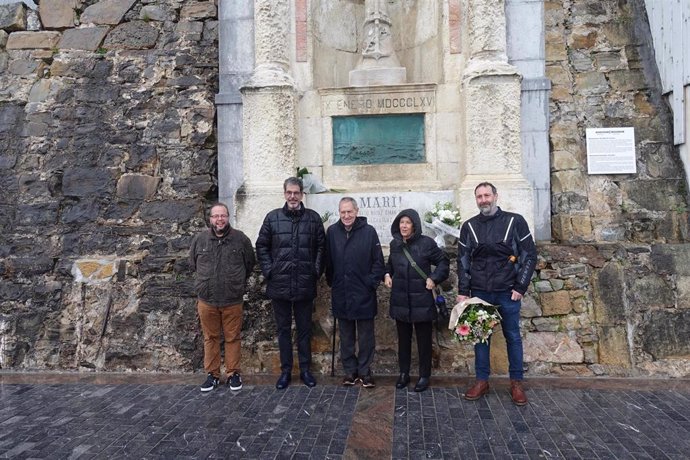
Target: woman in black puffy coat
[412, 303]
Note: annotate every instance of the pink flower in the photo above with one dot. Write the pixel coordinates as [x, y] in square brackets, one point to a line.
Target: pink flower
[463, 330]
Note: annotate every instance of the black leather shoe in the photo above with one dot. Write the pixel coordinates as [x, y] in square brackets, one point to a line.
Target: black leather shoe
[403, 380]
[308, 379]
[283, 381]
[422, 384]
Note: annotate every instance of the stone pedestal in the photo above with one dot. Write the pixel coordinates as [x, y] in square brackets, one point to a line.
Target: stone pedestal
[492, 129]
[378, 76]
[269, 153]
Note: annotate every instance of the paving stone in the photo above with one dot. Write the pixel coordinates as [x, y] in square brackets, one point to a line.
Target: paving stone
[236, 427]
[177, 421]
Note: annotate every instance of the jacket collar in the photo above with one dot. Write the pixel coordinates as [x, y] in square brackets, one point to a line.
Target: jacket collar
[483, 218]
[360, 221]
[296, 213]
[226, 232]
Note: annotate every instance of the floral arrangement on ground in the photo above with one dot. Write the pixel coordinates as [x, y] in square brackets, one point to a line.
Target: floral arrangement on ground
[476, 323]
[446, 212]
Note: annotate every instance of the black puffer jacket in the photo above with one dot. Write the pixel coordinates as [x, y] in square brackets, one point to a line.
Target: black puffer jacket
[411, 301]
[291, 248]
[496, 254]
[354, 269]
[222, 265]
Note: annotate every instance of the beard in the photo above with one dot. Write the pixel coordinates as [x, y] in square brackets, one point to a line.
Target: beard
[487, 209]
[220, 229]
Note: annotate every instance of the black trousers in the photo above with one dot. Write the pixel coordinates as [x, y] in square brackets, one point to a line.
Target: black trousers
[423, 332]
[360, 331]
[283, 311]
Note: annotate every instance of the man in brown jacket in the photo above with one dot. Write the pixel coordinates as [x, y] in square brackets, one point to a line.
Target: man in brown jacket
[222, 258]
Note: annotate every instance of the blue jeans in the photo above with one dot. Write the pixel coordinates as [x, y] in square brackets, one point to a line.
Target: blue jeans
[510, 323]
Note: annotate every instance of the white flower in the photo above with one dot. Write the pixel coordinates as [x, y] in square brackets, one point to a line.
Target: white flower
[445, 212]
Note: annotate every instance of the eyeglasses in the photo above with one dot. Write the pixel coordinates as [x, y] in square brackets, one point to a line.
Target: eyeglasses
[293, 193]
[219, 216]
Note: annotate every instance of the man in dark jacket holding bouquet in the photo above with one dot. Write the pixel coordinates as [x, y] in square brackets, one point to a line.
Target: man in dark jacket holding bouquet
[496, 260]
[291, 248]
[354, 269]
[223, 259]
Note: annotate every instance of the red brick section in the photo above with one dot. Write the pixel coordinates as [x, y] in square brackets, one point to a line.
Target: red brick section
[454, 26]
[301, 30]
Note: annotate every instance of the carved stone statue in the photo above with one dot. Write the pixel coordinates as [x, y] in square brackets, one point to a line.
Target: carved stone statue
[379, 65]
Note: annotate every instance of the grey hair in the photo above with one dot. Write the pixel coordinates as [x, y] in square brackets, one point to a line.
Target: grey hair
[351, 200]
[293, 181]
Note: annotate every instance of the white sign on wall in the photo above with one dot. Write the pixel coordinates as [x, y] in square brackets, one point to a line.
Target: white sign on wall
[611, 151]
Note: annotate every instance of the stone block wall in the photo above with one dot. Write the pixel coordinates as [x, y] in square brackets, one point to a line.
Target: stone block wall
[618, 289]
[600, 61]
[108, 162]
[612, 309]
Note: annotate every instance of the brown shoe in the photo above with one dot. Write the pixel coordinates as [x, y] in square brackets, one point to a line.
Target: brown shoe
[517, 393]
[479, 389]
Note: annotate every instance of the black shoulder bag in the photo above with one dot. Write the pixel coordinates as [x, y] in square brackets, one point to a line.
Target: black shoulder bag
[439, 300]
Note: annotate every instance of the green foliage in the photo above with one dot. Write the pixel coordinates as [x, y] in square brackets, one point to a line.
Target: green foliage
[680, 209]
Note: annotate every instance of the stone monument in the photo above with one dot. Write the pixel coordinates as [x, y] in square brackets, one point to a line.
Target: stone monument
[381, 104]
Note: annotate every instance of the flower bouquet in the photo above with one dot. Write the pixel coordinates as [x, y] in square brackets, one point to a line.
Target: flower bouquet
[446, 212]
[473, 320]
[443, 220]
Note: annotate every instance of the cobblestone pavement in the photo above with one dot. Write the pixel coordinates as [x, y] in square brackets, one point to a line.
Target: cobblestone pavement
[116, 419]
[155, 421]
[557, 424]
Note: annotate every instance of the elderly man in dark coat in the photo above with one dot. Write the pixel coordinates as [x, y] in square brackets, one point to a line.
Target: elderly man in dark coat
[354, 269]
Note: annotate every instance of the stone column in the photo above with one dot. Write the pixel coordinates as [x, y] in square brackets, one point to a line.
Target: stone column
[270, 118]
[491, 90]
[236, 62]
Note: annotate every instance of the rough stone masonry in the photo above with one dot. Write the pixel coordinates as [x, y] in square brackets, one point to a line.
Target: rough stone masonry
[108, 162]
